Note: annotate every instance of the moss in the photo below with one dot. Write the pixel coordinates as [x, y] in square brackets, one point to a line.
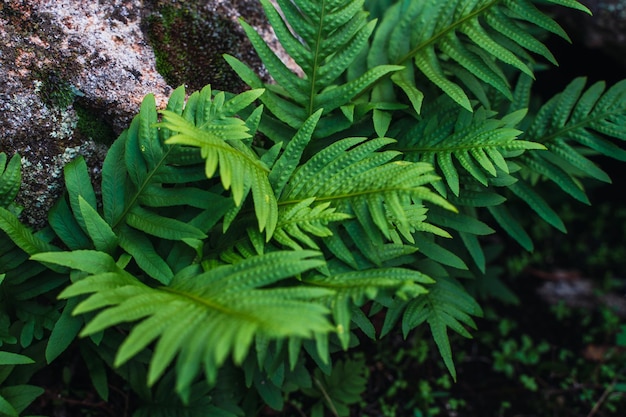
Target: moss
[53, 89]
[91, 125]
[189, 43]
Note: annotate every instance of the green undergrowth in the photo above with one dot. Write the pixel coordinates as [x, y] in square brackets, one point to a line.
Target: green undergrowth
[259, 253]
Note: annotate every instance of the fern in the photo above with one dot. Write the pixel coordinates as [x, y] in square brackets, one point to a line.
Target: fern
[474, 37]
[381, 153]
[323, 38]
[240, 168]
[200, 317]
[10, 179]
[340, 389]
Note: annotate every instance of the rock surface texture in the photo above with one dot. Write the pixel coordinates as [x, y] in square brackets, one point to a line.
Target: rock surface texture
[75, 70]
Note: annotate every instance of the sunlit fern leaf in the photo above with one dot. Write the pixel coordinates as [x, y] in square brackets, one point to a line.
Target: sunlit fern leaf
[354, 288]
[300, 223]
[473, 36]
[446, 305]
[10, 178]
[240, 169]
[201, 317]
[365, 183]
[323, 39]
[476, 142]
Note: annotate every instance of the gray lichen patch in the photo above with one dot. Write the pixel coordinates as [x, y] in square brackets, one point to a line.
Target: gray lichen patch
[51, 52]
[37, 197]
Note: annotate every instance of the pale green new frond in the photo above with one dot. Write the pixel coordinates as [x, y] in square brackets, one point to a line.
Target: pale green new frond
[201, 317]
[466, 38]
[240, 169]
[446, 305]
[304, 221]
[365, 183]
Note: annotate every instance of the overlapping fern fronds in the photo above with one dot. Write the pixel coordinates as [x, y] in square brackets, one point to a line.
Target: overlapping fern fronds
[574, 125]
[459, 46]
[323, 38]
[359, 196]
[201, 317]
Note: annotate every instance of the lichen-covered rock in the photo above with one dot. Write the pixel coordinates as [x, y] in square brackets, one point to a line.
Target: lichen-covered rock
[72, 71]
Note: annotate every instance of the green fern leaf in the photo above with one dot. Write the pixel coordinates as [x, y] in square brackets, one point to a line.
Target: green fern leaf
[365, 184]
[572, 119]
[479, 143]
[239, 169]
[21, 235]
[353, 289]
[338, 390]
[446, 305]
[323, 40]
[203, 317]
[64, 224]
[299, 222]
[101, 234]
[160, 226]
[114, 177]
[10, 178]
[15, 399]
[78, 185]
[290, 157]
[142, 250]
[473, 37]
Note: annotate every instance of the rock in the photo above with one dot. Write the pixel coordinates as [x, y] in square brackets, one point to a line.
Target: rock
[605, 30]
[73, 73]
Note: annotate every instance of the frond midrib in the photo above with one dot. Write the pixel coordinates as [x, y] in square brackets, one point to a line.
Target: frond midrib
[140, 190]
[353, 195]
[316, 55]
[582, 124]
[435, 38]
[204, 302]
[451, 149]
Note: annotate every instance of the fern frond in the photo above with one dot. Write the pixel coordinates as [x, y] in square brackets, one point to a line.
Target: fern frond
[323, 39]
[239, 168]
[339, 389]
[301, 222]
[10, 178]
[352, 289]
[472, 36]
[365, 183]
[570, 125]
[476, 142]
[446, 305]
[200, 317]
